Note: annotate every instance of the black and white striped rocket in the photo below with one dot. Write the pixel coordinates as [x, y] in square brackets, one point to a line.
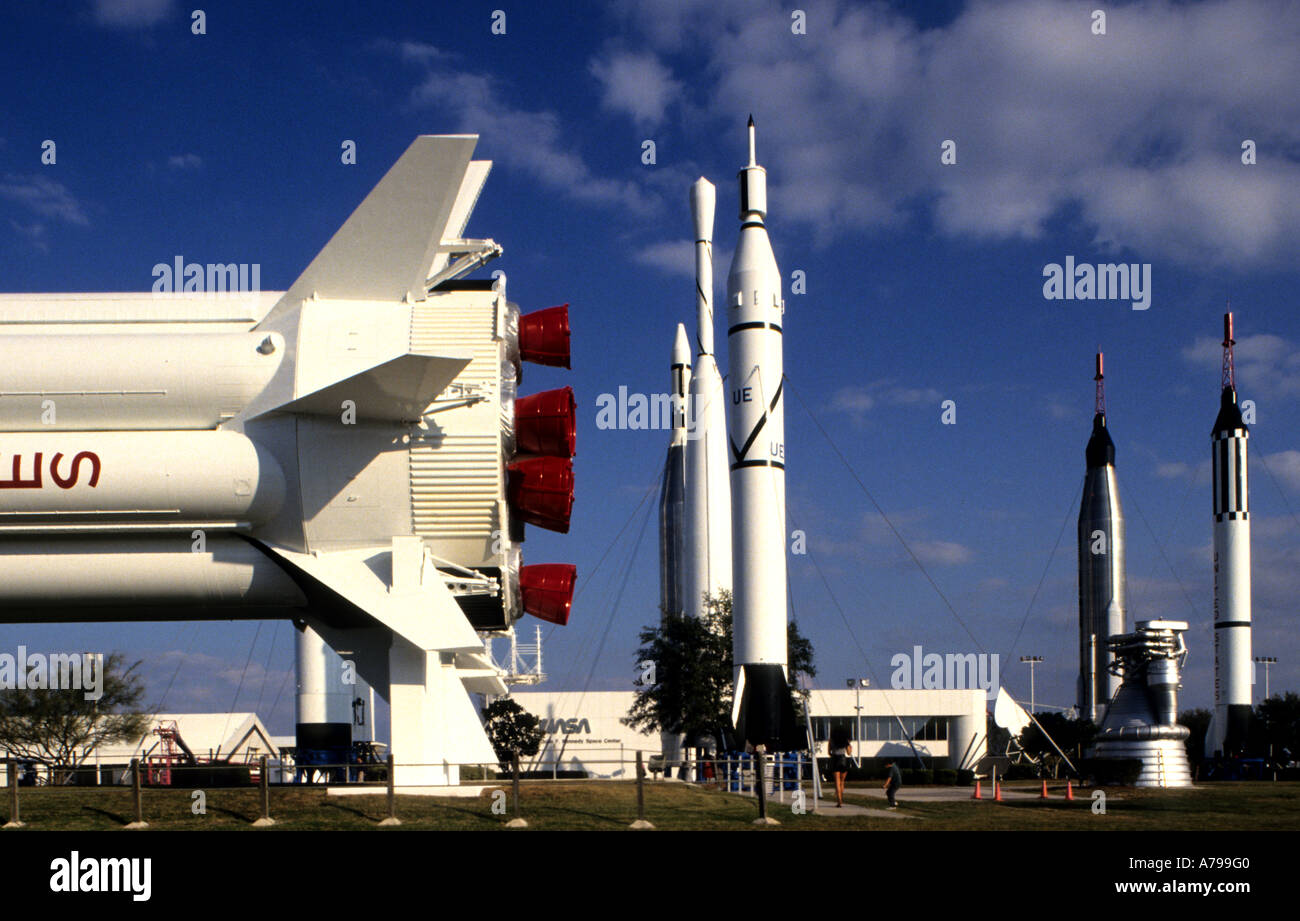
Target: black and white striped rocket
[763, 708]
[1232, 660]
[708, 486]
[1101, 566]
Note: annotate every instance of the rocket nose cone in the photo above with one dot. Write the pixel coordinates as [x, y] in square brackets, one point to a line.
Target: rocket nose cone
[681, 347]
[704, 197]
[1229, 418]
[1101, 450]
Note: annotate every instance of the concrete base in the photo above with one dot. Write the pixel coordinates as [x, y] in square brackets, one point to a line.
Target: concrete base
[263, 823]
[517, 823]
[134, 825]
[391, 821]
[13, 825]
[641, 825]
[767, 821]
[468, 792]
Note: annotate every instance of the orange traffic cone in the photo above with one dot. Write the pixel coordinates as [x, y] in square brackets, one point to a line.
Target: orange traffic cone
[1069, 789]
[977, 794]
[997, 793]
[1043, 795]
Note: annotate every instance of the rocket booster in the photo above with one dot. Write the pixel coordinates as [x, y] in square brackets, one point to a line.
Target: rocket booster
[763, 710]
[672, 490]
[1232, 604]
[708, 488]
[1101, 566]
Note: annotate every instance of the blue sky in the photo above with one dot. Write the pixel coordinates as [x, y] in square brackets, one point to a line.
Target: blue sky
[924, 280]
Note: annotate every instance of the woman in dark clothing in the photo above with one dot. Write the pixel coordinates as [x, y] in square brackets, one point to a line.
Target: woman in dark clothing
[841, 748]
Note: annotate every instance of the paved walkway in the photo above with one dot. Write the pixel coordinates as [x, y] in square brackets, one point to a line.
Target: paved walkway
[953, 794]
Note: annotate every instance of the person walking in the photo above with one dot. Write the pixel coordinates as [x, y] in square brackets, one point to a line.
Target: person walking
[893, 783]
[841, 749]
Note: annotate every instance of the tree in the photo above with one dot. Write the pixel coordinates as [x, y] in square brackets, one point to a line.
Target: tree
[510, 728]
[1070, 735]
[62, 727]
[1276, 727]
[687, 666]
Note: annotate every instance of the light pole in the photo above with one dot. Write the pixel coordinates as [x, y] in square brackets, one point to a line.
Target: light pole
[1266, 661]
[857, 684]
[1032, 661]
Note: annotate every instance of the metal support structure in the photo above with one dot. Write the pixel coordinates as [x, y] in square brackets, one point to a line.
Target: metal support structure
[137, 795]
[11, 771]
[518, 821]
[391, 783]
[264, 782]
[641, 822]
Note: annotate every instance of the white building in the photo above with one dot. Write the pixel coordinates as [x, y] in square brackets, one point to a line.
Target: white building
[938, 729]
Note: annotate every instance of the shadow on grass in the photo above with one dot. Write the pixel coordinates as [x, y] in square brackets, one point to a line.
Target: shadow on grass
[116, 817]
[352, 809]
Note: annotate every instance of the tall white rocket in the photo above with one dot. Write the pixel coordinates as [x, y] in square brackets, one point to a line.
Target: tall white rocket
[672, 490]
[708, 488]
[1101, 566]
[1232, 661]
[763, 709]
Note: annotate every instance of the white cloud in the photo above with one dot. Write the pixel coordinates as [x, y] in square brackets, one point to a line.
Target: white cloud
[858, 400]
[1139, 131]
[1266, 364]
[941, 552]
[676, 257]
[529, 142]
[1178, 470]
[1285, 467]
[638, 84]
[131, 13]
[185, 161]
[44, 197]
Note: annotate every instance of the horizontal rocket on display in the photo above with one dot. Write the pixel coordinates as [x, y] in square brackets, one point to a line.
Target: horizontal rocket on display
[349, 453]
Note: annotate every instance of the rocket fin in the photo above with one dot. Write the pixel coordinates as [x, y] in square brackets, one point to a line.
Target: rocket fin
[397, 390]
[765, 714]
[385, 249]
[402, 593]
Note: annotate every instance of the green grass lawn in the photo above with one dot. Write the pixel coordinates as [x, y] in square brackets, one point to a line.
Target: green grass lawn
[607, 805]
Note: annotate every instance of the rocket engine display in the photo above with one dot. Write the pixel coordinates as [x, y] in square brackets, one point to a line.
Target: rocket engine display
[1142, 721]
[1101, 566]
[349, 454]
[1232, 584]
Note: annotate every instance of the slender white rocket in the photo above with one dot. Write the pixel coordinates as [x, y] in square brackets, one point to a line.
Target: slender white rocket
[708, 486]
[672, 490]
[673, 538]
[763, 711]
[1232, 602]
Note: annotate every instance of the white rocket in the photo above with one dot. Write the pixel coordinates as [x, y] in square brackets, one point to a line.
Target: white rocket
[672, 490]
[1232, 608]
[708, 487]
[1101, 566]
[348, 454]
[763, 710]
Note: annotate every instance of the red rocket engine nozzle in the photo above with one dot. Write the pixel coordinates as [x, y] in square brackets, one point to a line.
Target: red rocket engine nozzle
[547, 590]
[540, 490]
[544, 336]
[546, 423]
